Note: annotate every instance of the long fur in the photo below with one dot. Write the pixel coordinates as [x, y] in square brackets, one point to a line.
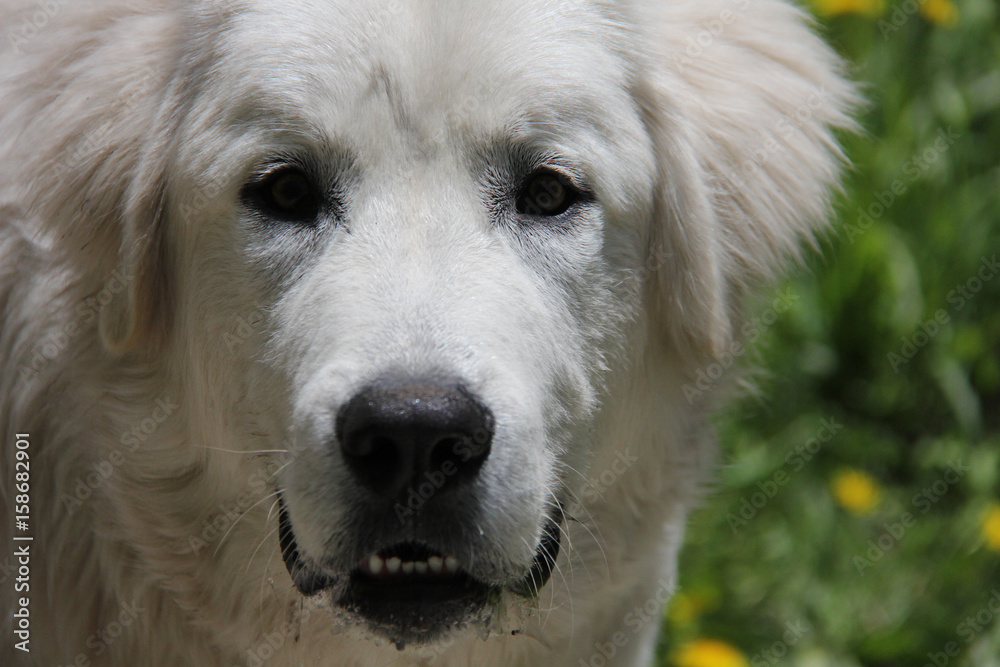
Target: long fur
[174, 366]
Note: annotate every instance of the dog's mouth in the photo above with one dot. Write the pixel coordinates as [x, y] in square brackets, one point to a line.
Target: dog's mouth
[413, 593]
[411, 574]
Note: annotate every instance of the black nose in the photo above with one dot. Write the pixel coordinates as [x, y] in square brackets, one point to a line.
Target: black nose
[407, 436]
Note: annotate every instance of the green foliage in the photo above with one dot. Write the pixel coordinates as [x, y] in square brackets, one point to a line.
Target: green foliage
[896, 337]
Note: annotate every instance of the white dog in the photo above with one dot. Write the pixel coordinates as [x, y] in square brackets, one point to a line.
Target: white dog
[375, 332]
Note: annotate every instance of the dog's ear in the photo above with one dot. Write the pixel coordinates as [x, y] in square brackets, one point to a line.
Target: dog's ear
[686, 255]
[742, 101]
[138, 313]
[93, 186]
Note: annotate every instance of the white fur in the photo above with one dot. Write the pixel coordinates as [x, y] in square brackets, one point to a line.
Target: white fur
[127, 130]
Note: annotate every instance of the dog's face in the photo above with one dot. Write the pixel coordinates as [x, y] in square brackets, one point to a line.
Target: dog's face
[402, 249]
[439, 223]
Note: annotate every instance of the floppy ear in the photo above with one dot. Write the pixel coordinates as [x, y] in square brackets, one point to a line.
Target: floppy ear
[742, 101]
[139, 312]
[689, 290]
[92, 186]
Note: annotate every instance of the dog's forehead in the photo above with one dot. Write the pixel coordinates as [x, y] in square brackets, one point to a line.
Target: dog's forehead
[432, 70]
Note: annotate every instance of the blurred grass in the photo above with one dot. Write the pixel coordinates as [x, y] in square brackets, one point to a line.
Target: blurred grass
[881, 541]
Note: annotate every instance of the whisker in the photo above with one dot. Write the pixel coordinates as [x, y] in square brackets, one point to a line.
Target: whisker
[586, 480]
[266, 580]
[242, 514]
[557, 569]
[569, 600]
[589, 521]
[280, 468]
[535, 584]
[244, 451]
[263, 541]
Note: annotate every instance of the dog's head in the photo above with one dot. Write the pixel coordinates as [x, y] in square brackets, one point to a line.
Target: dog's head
[418, 246]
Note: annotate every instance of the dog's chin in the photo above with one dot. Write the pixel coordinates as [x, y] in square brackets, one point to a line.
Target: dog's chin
[411, 594]
[419, 612]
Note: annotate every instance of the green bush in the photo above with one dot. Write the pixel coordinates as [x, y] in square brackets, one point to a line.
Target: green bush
[882, 534]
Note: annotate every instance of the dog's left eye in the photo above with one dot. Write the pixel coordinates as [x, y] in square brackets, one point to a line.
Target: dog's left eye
[288, 195]
[546, 193]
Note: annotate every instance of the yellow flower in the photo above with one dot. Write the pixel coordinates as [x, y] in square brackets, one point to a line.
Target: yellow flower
[866, 7]
[710, 653]
[991, 526]
[939, 11]
[856, 491]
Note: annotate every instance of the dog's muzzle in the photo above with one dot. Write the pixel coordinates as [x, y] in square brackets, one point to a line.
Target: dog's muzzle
[410, 587]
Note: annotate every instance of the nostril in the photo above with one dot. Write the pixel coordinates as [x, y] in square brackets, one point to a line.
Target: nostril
[456, 460]
[393, 435]
[372, 458]
[444, 451]
[459, 457]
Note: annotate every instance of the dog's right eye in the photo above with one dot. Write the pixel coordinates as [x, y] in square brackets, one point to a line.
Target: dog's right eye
[546, 193]
[287, 194]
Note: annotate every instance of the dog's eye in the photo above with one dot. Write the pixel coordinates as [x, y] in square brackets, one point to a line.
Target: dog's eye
[288, 195]
[546, 193]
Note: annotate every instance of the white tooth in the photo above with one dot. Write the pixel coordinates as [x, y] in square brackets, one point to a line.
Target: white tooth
[451, 564]
[407, 568]
[420, 566]
[392, 565]
[375, 564]
[434, 563]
